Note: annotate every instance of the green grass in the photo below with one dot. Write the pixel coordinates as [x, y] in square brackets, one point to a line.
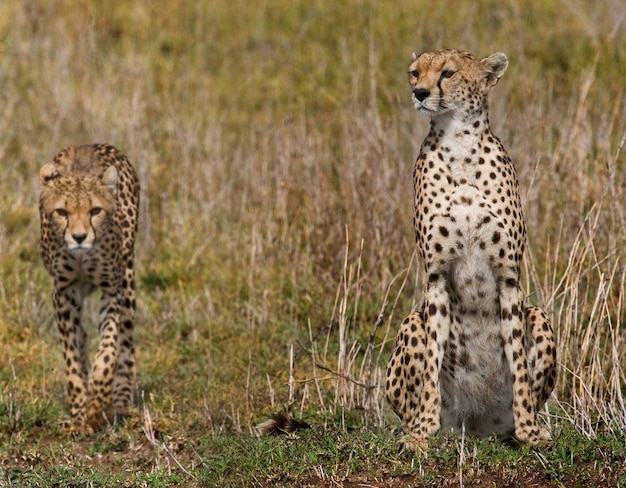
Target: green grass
[316, 457]
[274, 143]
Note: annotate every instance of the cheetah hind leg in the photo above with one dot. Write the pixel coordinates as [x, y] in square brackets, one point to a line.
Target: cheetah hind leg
[404, 380]
[541, 357]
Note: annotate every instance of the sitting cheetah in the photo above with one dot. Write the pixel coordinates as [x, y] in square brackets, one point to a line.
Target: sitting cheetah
[474, 356]
[88, 207]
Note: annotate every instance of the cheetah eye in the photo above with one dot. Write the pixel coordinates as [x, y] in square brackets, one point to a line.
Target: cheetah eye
[446, 74]
[61, 212]
[415, 73]
[95, 211]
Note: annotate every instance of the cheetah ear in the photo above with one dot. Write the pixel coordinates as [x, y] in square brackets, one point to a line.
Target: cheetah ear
[109, 178]
[495, 66]
[414, 56]
[47, 173]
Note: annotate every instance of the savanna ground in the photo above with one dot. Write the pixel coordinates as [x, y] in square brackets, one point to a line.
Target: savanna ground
[275, 143]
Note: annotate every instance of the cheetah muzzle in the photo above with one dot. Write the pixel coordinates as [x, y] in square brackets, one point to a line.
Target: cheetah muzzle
[474, 357]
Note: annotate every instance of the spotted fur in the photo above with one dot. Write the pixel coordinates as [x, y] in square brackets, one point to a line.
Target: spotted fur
[88, 208]
[281, 423]
[474, 356]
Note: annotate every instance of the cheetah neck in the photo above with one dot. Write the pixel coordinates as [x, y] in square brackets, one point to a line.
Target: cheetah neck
[460, 139]
[459, 145]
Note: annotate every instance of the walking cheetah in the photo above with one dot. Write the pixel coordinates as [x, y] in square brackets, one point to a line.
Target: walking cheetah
[474, 356]
[88, 208]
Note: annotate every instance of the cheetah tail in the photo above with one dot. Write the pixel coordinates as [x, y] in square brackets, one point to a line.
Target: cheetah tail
[281, 423]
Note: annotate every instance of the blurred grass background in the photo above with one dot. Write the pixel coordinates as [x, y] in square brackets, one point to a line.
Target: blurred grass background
[275, 143]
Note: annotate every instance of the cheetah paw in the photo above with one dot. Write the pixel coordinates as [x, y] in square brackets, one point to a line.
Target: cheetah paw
[543, 437]
[80, 429]
[415, 445]
[535, 437]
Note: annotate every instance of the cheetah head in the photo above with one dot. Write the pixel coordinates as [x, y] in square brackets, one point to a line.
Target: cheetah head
[78, 206]
[450, 82]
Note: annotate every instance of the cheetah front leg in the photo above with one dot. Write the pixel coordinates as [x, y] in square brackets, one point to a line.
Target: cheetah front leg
[427, 419]
[421, 409]
[67, 304]
[405, 371]
[514, 336]
[100, 390]
[541, 354]
[124, 383]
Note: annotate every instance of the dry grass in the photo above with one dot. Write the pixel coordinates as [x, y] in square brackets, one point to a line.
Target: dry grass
[275, 146]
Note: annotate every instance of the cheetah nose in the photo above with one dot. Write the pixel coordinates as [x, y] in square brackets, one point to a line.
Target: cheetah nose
[79, 238]
[421, 94]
